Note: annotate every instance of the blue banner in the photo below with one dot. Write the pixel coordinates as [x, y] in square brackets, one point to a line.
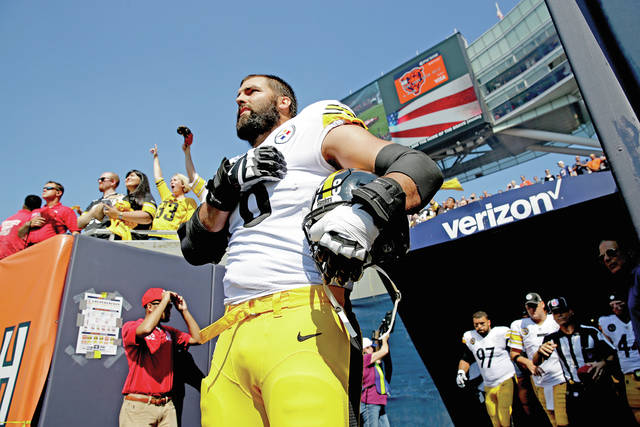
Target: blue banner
[511, 206]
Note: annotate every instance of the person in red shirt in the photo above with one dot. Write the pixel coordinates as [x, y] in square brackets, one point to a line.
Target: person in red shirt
[149, 347]
[10, 243]
[54, 218]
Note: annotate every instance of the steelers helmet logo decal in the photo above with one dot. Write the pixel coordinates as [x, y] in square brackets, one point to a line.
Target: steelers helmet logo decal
[611, 327]
[285, 134]
[472, 341]
[525, 331]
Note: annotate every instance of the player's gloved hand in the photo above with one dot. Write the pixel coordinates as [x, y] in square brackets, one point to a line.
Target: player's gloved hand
[461, 378]
[222, 194]
[258, 165]
[186, 133]
[346, 230]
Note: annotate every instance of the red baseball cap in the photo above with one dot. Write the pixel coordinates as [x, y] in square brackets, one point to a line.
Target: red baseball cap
[151, 295]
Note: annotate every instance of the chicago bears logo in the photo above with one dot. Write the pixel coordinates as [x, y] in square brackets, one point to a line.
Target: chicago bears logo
[611, 327]
[413, 80]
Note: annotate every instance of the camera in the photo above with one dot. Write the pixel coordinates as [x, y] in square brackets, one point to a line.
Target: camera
[384, 324]
[184, 131]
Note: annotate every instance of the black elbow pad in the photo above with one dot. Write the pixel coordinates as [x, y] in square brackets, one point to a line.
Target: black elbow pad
[200, 246]
[413, 163]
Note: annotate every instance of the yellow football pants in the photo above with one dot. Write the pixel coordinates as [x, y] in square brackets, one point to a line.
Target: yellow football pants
[286, 364]
[557, 417]
[498, 400]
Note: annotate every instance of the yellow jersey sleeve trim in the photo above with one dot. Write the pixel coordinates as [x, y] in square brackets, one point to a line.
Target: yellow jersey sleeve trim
[338, 114]
[163, 189]
[149, 208]
[198, 186]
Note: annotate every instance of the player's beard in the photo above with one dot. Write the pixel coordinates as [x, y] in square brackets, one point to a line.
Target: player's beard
[258, 122]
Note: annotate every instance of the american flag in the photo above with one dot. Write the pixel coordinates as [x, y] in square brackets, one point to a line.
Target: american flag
[436, 111]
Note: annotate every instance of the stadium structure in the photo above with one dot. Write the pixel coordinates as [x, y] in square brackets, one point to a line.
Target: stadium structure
[476, 108]
[506, 98]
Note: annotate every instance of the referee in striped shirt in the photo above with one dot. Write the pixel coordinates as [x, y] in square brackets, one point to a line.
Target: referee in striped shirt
[584, 353]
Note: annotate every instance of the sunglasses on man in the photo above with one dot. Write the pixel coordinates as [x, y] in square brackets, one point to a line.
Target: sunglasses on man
[50, 188]
[103, 178]
[610, 253]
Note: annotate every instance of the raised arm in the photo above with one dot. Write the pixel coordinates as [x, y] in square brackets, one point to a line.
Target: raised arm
[188, 163]
[384, 350]
[194, 329]
[157, 172]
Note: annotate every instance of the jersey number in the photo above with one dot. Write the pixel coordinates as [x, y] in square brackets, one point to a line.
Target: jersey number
[261, 194]
[623, 346]
[171, 209]
[482, 356]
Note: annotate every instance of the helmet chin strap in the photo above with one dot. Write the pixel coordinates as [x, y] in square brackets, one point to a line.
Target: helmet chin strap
[392, 290]
[395, 295]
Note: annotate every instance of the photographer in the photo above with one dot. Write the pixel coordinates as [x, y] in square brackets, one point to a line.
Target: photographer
[150, 347]
[374, 389]
[584, 354]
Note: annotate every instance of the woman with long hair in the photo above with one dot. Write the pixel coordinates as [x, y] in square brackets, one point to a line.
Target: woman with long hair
[137, 208]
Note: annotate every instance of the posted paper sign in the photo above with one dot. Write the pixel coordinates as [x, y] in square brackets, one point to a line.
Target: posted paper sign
[99, 321]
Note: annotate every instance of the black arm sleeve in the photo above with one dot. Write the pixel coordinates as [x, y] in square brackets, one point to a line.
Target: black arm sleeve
[413, 163]
[199, 245]
[467, 356]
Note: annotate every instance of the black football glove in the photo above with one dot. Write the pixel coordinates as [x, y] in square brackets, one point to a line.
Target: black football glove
[257, 165]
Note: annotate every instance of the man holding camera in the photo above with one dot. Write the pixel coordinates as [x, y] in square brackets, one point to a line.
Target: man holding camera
[584, 354]
[149, 347]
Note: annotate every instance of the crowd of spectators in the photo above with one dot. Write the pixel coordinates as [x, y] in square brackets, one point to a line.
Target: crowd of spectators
[580, 167]
[134, 215]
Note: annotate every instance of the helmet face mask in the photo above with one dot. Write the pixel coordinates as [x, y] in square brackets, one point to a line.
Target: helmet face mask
[335, 191]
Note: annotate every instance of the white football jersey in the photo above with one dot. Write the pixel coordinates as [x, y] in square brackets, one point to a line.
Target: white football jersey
[623, 338]
[491, 354]
[527, 335]
[268, 251]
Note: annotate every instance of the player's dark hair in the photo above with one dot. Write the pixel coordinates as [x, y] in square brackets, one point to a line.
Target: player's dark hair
[32, 202]
[60, 187]
[281, 88]
[480, 315]
[142, 193]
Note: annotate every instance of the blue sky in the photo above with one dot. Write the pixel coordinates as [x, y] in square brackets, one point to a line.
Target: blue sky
[90, 86]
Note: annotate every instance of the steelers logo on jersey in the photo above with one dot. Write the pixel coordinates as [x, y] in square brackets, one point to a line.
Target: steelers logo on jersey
[472, 341]
[525, 331]
[611, 327]
[285, 134]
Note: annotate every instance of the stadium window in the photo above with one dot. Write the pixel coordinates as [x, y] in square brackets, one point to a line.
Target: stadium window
[543, 13]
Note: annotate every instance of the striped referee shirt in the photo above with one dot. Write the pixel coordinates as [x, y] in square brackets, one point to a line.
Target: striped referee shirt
[586, 344]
